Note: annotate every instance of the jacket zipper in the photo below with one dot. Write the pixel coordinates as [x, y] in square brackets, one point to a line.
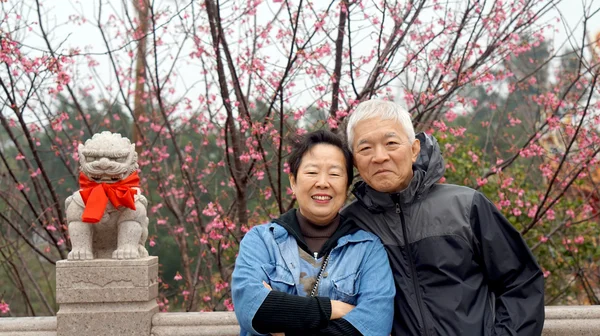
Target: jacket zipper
[413, 269]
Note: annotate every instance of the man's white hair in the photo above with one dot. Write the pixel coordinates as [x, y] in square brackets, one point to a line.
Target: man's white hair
[383, 109]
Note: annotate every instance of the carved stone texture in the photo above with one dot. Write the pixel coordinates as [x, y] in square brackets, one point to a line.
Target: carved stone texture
[107, 280]
[106, 297]
[109, 161]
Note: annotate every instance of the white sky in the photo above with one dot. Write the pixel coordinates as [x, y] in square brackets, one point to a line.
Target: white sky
[58, 12]
[87, 38]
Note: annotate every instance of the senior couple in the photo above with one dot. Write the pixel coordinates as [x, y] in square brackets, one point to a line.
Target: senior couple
[409, 256]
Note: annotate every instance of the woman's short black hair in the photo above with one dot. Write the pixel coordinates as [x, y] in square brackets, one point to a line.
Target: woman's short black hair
[304, 143]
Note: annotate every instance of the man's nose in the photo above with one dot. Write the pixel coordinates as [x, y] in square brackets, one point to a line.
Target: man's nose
[380, 154]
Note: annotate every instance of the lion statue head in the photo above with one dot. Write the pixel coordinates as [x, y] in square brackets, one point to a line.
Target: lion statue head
[107, 157]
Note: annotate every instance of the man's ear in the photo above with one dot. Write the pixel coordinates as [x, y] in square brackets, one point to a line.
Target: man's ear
[416, 149]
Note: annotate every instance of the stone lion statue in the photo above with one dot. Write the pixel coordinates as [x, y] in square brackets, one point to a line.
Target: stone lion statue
[107, 216]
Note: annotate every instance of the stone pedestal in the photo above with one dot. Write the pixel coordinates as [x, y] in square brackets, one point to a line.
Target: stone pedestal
[106, 296]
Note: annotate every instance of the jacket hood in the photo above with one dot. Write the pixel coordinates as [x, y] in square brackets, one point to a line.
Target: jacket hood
[289, 222]
[427, 171]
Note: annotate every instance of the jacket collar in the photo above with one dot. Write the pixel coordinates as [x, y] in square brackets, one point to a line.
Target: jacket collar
[347, 232]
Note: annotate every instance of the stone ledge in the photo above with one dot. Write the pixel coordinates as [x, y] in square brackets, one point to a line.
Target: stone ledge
[27, 324]
[195, 324]
[572, 312]
[195, 331]
[28, 333]
[194, 319]
[560, 321]
[571, 327]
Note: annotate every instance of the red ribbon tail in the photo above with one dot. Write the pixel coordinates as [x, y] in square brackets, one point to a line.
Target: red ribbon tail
[96, 204]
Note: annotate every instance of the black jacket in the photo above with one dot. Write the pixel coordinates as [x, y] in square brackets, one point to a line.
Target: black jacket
[460, 267]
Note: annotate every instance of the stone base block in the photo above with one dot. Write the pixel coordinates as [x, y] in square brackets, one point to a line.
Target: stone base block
[99, 319]
[106, 296]
[106, 280]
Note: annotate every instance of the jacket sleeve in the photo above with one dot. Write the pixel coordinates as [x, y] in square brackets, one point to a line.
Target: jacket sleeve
[247, 289]
[513, 274]
[339, 327]
[374, 311]
[253, 302]
[282, 312]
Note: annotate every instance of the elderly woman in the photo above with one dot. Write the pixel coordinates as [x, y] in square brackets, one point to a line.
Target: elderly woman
[311, 271]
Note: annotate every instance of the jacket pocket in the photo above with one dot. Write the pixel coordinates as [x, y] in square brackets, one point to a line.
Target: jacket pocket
[280, 278]
[345, 288]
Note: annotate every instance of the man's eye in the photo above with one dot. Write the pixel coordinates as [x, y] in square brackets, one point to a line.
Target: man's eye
[392, 143]
[364, 149]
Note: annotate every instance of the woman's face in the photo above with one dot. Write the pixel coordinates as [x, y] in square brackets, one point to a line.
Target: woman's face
[320, 184]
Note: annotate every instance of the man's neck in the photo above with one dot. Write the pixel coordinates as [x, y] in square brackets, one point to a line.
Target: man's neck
[403, 187]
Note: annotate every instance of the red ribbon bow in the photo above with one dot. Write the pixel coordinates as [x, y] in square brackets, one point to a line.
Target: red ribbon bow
[96, 195]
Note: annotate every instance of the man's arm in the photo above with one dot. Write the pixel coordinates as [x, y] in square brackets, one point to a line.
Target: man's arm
[513, 274]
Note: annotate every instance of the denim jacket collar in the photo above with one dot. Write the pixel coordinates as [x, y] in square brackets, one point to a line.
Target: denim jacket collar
[281, 235]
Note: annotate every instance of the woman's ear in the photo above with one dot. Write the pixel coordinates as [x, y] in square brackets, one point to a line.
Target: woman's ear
[292, 182]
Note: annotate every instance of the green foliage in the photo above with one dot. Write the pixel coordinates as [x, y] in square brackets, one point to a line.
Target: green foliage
[23, 274]
[565, 239]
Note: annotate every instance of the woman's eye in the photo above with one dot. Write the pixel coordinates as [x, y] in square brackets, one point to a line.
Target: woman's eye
[336, 175]
[311, 173]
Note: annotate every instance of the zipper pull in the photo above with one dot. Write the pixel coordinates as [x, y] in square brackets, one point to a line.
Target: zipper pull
[398, 210]
[316, 254]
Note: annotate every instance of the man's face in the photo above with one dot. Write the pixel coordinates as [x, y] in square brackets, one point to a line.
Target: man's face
[383, 154]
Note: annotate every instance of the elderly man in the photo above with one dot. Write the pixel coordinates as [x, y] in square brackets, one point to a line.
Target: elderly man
[459, 266]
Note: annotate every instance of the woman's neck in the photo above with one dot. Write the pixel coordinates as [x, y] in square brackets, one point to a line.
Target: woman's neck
[316, 235]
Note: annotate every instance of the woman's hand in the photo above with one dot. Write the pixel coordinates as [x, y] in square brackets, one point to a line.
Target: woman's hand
[267, 286]
[339, 309]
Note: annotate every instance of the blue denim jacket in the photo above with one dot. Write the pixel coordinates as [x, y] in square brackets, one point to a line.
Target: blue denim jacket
[358, 273]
